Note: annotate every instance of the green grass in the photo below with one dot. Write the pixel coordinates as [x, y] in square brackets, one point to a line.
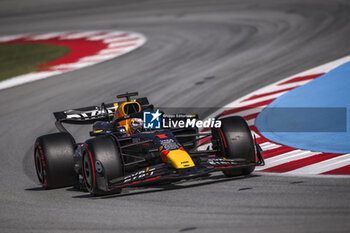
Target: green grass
[17, 59]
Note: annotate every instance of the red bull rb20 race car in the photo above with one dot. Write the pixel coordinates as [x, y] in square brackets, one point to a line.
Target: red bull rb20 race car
[123, 152]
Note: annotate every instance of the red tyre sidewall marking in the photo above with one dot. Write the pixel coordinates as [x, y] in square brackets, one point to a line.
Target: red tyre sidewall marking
[93, 185]
[43, 163]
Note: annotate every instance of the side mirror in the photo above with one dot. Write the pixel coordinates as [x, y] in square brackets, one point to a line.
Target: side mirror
[104, 111]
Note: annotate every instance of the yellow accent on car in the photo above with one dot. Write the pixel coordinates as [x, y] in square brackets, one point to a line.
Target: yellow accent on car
[98, 131]
[124, 109]
[226, 160]
[129, 107]
[180, 159]
[115, 107]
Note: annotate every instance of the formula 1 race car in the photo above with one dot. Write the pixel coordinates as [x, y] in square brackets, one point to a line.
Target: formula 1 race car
[122, 154]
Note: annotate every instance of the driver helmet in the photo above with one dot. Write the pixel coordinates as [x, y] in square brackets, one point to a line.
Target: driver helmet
[136, 125]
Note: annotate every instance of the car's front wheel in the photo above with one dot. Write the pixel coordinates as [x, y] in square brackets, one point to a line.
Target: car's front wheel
[234, 141]
[101, 162]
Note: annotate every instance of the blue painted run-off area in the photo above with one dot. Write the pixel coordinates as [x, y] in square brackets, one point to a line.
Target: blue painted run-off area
[314, 116]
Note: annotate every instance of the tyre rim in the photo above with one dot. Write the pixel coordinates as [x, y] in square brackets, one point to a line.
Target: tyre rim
[87, 171]
[39, 167]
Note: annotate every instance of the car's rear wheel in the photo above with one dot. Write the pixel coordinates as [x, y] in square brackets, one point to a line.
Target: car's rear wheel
[53, 158]
[234, 141]
[101, 162]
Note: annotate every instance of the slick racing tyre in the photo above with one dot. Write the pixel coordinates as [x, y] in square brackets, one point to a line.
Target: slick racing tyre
[235, 141]
[53, 157]
[101, 162]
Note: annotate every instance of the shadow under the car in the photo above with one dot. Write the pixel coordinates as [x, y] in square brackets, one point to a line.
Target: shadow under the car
[168, 187]
[35, 189]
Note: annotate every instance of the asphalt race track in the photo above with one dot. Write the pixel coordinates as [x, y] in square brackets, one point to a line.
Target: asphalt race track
[244, 45]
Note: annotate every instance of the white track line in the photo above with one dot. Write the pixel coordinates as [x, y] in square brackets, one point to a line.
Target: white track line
[110, 51]
[116, 38]
[106, 37]
[10, 38]
[258, 100]
[79, 35]
[96, 57]
[251, 122]
[76, 65]
[19, 80]
[268, 146]
[45, 36]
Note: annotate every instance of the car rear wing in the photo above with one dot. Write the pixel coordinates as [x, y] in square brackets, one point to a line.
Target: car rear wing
[91, 114]
[87, 115]
[84, 116]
